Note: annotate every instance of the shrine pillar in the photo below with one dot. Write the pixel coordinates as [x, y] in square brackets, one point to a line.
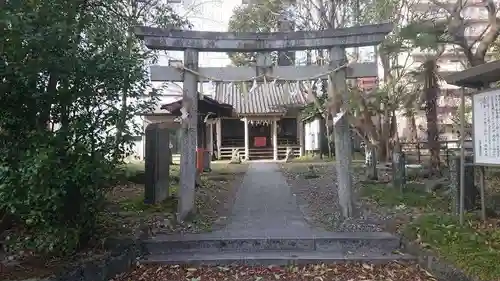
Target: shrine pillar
[218, 131]
[211, 138]
[275, 138]
[247, 139]
[300, 135]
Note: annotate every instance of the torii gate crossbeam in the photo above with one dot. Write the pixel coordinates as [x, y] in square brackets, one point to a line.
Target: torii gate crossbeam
[208, 41]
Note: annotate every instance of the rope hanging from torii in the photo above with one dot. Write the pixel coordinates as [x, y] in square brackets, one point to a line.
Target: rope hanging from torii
[182, 67]
[187, 102]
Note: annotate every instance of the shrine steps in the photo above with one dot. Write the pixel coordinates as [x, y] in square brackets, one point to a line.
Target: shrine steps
[376, 247]
[278, 258]
[261, 153]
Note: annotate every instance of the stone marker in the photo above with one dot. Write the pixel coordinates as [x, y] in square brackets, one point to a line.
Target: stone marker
[398, 170]
[471, 191]
[157, 164]
[371, 164]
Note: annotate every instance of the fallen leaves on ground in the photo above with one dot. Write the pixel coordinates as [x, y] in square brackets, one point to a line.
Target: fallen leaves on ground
[393, 271]
[127, 214]
[320, 198]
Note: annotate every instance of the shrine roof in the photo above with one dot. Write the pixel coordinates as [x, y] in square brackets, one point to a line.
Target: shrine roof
[476, 77]
[267, 98]
[206, 105]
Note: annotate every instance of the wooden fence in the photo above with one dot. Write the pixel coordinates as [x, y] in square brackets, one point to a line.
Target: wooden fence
[419, 153]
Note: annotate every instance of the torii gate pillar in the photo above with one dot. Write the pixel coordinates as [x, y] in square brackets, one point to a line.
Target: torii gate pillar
[343, 148]
[190, 132]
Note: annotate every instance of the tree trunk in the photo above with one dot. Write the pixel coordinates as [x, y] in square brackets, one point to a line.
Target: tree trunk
[382, 150]
[432, 129]
[413, 128]
[431, 94]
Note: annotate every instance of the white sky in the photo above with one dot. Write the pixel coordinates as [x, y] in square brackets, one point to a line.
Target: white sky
[205, 15]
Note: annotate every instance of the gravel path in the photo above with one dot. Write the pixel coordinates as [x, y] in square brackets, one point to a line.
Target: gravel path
[318, 199]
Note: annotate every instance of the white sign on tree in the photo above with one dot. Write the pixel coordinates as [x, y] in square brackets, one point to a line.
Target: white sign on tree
[486, 123]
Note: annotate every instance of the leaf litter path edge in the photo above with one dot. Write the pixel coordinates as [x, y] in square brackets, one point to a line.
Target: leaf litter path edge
[392, 271]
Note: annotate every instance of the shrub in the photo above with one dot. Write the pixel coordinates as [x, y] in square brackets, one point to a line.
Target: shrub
[56, 195]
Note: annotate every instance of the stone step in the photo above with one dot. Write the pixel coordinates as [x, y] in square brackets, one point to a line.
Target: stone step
[332, 242]
[279, 258]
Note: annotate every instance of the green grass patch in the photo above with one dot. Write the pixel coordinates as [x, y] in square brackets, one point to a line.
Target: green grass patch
[475, 250]
[414, 195]
[137, 205]
[473, 247]
[135, 172]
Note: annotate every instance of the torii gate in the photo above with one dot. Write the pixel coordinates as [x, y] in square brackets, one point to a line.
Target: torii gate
[193, 42]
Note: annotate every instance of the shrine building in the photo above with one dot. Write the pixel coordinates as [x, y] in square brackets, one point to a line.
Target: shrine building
[261, 124]
[265, 121]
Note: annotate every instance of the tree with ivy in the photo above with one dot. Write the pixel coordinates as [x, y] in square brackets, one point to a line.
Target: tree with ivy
[66, 68]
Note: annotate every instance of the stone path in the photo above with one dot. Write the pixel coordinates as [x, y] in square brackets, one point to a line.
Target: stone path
[267, 227]
[265, 206]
